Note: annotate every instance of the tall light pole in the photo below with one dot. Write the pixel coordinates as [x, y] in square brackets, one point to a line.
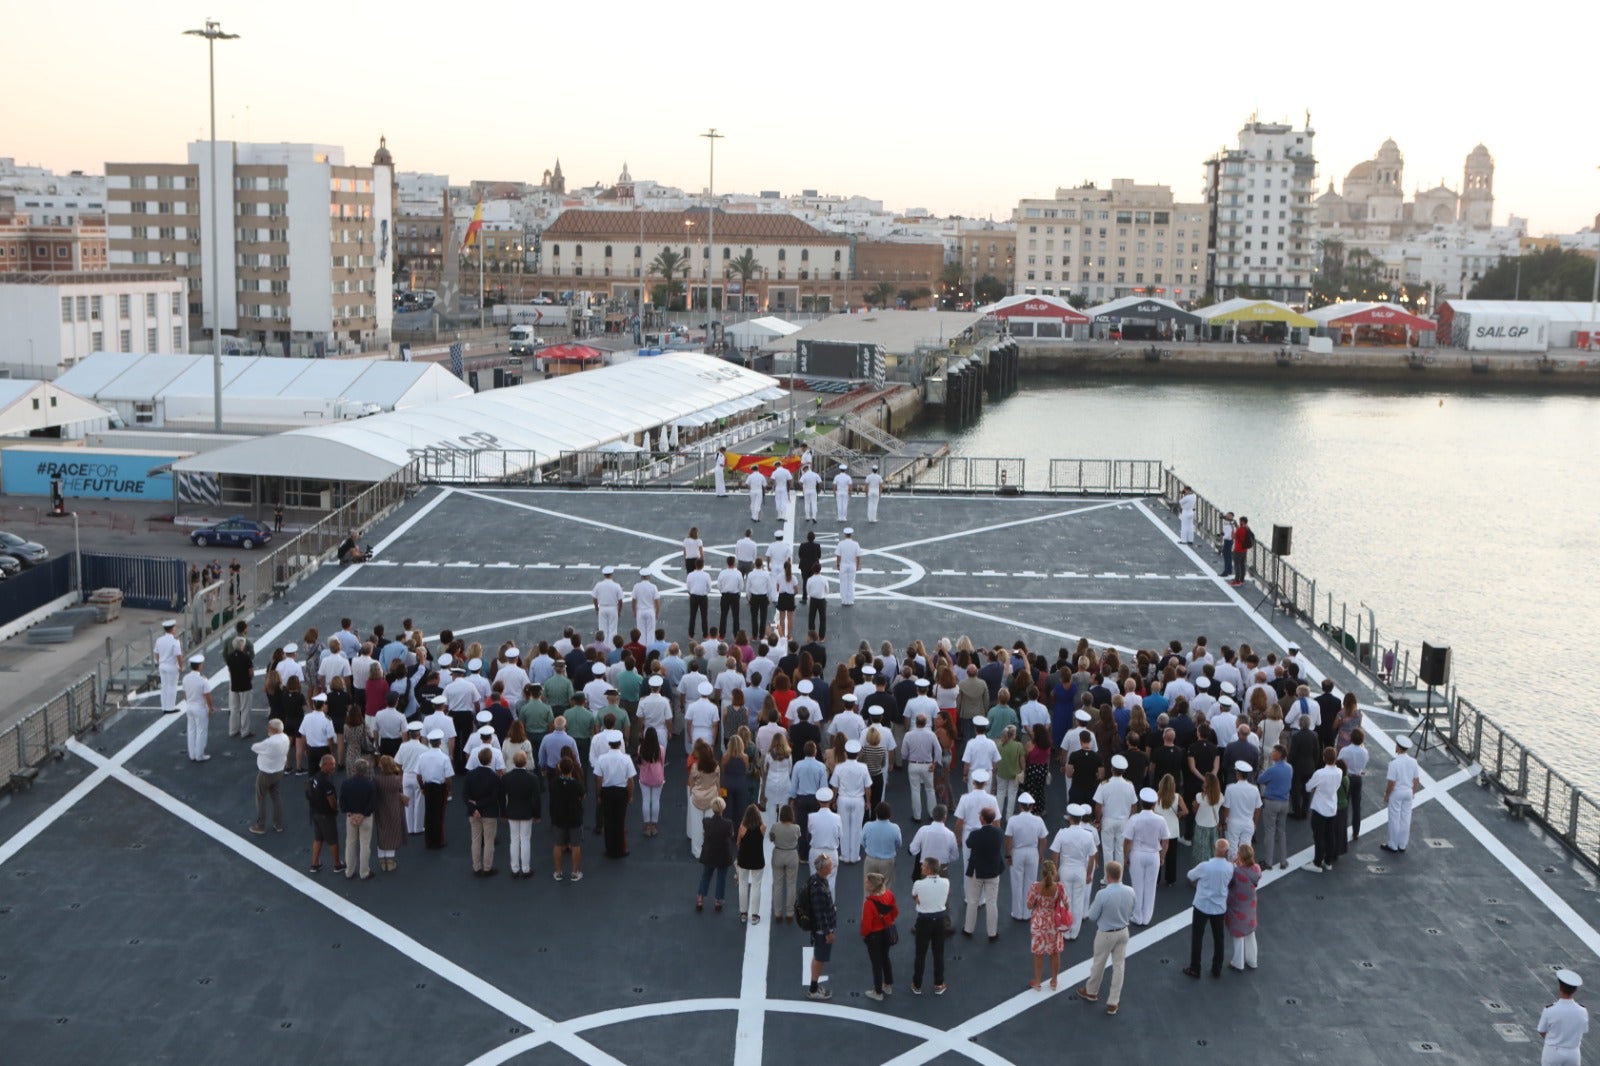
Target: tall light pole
[213, 33]
[713, 137]
[1594, 293]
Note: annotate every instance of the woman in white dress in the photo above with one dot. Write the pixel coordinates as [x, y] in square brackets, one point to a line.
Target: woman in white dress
[775, 788]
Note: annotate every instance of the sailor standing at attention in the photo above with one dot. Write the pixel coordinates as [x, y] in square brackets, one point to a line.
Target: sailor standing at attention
[197, 706]
[1563, 1023]
[846, 556]
[875, 490]
[169, 664]
[780, 490]
[719, 473]
[1405, 777]
[757, 483]
[1186, 502]
[646, 608]
[607, 598]
[810, 481]
[841, 494]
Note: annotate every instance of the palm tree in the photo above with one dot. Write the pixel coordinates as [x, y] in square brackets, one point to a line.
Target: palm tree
[668, 263]
[881, 294]
[745, 268]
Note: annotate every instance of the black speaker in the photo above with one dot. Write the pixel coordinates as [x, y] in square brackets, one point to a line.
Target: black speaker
[1281, 536]
[1435, 666]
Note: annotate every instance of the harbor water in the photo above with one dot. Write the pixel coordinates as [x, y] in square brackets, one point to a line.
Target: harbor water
[1464, 518]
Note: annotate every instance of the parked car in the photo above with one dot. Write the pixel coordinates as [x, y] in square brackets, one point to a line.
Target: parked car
[26, 552]
[235, 532]
[9, 566]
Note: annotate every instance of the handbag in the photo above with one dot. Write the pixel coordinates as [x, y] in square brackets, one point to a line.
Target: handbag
[1063, 912]
[893, 934]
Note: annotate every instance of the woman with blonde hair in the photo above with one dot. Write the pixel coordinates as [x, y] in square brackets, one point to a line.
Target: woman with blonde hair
[1172, 809]
[1271, 726]
[736, 773]
[776, 781]
[1047, 901]
[1207, 806]
[705, 785]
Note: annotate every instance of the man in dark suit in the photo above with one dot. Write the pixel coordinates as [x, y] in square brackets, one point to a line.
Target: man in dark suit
[809, 554]
[1305, 756]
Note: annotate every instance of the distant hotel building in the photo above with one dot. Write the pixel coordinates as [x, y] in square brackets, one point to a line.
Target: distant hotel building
[1103, 244]
[30, 243]
[55, 319]
[307, 255]
[1261, 213]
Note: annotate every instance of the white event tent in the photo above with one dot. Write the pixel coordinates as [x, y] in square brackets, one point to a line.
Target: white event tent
[509, 429]
[44, 409]
[759, 331]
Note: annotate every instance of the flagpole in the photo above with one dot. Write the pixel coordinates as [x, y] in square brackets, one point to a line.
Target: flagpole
[481, 307]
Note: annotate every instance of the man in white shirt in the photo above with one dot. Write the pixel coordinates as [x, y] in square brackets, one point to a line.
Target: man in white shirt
[814, 709]
[594, 692]
[758, 584]
[607, 600]
[1186, 503]
[1146, 839]
[935, 840]
[614, 776]
[361, 671]
[981, 755]
[646, 606]
[512, 676]
[810, 482]
[841, 493]
[1025, 837]
[483, 740]
[333, 665]
[318, 730]
[779, 552]
[780, 490]
[1562, 1024]
[272, 755]
[757, 484]
[655, 710]
[1204, 704]
[698, 585]
[730, 587]
[169, 665]
[972, 804]
[1076, 849]
[1181, 686]
[1241, 808]
[433, 778]
[847, 719]
[851, 781]
[407, 757]
[1404, 779]
[826, 833]
[289, 666]
[919, 750]
[874, 491]
[1114, 800]
[700, 718]
[846, 558]
[745, 550]
[817, 604]
[719, 472]
[197, 707]
[389, 726]
[439, 720]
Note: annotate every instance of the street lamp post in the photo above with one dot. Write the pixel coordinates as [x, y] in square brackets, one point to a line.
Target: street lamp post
[712, 136]
[213, 33]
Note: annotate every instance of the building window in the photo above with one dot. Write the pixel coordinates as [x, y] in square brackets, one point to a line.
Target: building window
[66, 309]
[151, 341]
[177, 338]
[837, 255]
[97, 341]
[125, 340]
[150, 305]
[783, 254]
[608, 251]
[124, 307]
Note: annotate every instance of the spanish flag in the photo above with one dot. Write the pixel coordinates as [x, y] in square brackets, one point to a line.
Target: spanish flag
[473, 227]
[764, 463]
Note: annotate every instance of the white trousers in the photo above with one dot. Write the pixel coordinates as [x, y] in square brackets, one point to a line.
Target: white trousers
[1244, 951]
[811, 505]
[755, 504]
[169, 688]
[607, 622]
[414, 804]
[852, 812]
[780, 501]
[199, 725]
[921, 775]
[521, 845]
[1400, 801]
[983, 892]
[697, 829]
[1024, 872]
[1238, 836]
[1005, 793]
[1186, 528]
[749, 888]
[1144, 866]
[652, 802]
[841, 505]
[646, 621]
[238, 712]
[847, 585]
[1110, 843]
[721, 478]
[1072, 879]
[872, 507]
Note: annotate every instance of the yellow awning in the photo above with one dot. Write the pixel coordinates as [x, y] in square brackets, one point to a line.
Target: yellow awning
[1264, 311]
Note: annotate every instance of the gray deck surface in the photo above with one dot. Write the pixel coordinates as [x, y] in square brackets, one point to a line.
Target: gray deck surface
[143, 924]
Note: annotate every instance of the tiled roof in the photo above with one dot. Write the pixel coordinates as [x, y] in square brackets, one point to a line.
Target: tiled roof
[669, 226]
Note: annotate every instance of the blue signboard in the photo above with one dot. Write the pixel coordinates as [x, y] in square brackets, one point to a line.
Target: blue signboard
[86, 474]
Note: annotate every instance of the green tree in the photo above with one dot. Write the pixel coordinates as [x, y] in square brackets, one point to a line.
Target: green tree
[989, 289]
[1551, 274]
[950, 285]
[667, 264]
[746, 269]
[881, 294]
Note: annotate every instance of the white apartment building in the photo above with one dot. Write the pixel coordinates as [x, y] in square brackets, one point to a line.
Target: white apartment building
[55, 320]
[1107, 243]
[1261, 213]
[306, 261]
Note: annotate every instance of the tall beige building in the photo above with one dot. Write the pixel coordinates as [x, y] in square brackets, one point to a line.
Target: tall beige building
[306, 260]
[1106, 243]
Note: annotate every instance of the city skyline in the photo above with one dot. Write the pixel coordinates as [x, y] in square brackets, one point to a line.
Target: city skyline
[913, 115]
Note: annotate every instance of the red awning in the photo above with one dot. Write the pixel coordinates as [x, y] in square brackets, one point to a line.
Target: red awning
[1384, 315]
[571, 353]
[1037, 307]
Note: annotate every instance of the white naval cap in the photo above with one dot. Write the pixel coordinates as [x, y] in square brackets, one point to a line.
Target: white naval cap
[486, 731]
[1148, 795]
[1024, 800]
[922, 682]
[485, 716]
[439, 698]
[849, 697]
[1228, 688]
[657, 681]
[852, 747]
[824, 795]
[1084, 716]
[875, 712]
[980, 722]
[1400, 742]
[598, 669]
[1119, 762]
[614, 737]
[1202, 683]
[290, 649]
[197, 658]
[805, 688]
[1569, 978]
[321, 697]
[1077, 810]
[1243, 767]
[1293, 648]
[437, 734]
[608, 571]
[170, 623]
[778, 535]
[849, 531]
[474, 665]
[413, 727]
[706, 689]
[869, 671]
[446, 659]
[511, 653]
[1226, 702]
[980, 776]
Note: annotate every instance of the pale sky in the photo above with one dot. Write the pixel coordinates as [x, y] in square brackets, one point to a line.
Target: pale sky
[963, 114]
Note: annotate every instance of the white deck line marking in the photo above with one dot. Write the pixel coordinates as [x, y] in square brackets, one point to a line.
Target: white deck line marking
[20, 839]
[525, 618]
[999, 525]
[377, 928]
[572, 518]
[467, 591]
[943, 606]
[749, 1035]
[1118, 603]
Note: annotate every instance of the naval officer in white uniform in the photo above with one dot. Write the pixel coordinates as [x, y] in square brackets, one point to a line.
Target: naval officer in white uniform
[874, 491]
[720, 473]
[810, 482]
[646, 610]
[1405, 777]
[841, 494]
[780, 490]
[757, 484]
[847, 557]
[169, 664]
[1186, 503]
[1563, 1023]
[607, 599]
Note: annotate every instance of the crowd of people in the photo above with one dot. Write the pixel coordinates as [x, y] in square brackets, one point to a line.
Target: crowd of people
[1034, 773]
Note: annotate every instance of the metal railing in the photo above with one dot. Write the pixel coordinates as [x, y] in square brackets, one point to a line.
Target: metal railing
[1108, 477]
[1351, 634]
[1560, 805]
[42, 731]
